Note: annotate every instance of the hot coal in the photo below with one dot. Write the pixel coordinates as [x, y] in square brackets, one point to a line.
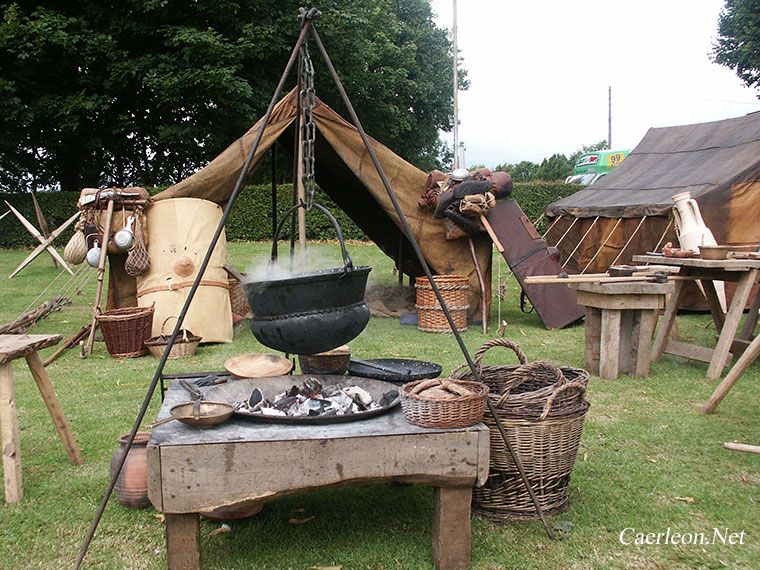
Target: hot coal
[311, 398]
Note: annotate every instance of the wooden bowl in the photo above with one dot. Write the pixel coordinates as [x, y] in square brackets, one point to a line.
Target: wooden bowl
[333, 361]
[714, 251]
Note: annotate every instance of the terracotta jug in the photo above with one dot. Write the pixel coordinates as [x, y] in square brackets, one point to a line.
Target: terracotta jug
[132, 485]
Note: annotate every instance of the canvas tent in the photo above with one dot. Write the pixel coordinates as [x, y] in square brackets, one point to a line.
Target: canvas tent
[628, 211]
[344, 170]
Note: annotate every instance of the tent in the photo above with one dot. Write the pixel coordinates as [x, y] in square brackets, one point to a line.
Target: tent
[344, 170]
[628, 211]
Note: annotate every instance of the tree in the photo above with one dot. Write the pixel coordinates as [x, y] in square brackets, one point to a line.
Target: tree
[556, 167]
[601, 145]
[147, 91]
[738, 37]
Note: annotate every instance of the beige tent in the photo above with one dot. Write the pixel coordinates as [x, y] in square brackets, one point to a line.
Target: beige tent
[344, 170]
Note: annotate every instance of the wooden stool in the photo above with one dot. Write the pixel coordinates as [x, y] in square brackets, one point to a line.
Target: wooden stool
[14, 346]
[620, 322]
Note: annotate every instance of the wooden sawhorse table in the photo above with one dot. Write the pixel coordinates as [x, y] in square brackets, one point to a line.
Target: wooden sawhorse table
[743, 272]
[242, 462]
[14, 346]
[620, 321]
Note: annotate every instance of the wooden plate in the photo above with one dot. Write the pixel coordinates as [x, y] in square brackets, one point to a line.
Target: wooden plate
[257, 365]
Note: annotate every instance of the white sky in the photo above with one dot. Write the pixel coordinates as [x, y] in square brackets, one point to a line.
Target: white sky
[540, 70]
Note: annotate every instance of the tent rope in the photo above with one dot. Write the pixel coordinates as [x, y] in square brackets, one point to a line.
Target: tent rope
[567, 232]
[572, 253]
[554, 223]
[609, 235]
[662, 237]
[630, 239]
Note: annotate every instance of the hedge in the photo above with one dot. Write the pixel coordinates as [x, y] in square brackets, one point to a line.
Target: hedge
[251, 217]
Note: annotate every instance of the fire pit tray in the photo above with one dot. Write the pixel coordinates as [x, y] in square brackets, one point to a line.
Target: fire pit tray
[237, 390]
[400, 370]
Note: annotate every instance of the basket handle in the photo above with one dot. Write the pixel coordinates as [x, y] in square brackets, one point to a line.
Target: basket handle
[166, 320]
[558, 390]
[518, 376]
[490, 344]
[500, 342]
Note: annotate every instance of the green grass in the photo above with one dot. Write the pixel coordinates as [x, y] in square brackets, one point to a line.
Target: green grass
[645, 447]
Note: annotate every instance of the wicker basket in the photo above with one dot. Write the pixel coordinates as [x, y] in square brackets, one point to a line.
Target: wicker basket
[456, 412]
[238, 299]
[430, 316]
[542, 409]
[184, 345]
[125, 330]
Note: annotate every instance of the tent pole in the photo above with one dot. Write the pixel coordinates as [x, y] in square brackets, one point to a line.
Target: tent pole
[273, 152]
[423, 262]
[306, 23]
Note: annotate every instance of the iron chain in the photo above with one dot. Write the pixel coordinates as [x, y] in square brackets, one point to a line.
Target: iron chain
[308, 129]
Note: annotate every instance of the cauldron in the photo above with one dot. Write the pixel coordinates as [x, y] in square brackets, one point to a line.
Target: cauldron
[313, 311]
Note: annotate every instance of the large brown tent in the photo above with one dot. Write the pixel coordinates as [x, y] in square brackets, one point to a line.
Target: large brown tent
[628, 211]
[344, 170]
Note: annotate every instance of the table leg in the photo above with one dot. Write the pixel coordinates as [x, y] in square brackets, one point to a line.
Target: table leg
[744, 362]
[741, 293]
[451, 527]
[609, 357]
[9, 438]
[646, 331]
[713, 302]
[668, 318]
[593, 338]
[183, 541]
[54, 407]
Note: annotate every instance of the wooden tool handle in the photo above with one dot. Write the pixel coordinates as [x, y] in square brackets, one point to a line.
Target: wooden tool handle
[491, 233]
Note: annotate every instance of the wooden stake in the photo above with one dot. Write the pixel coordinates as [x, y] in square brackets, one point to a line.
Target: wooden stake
[483, 304]
[742, 447]
[101, 271]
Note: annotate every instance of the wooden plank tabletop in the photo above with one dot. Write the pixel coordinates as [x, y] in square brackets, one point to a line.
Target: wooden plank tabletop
[14, 346]
[699, 263]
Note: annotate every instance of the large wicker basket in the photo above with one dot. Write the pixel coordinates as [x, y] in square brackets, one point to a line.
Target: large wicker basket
[453, 412]
[125, 330]
[430, 316]
[542, 409]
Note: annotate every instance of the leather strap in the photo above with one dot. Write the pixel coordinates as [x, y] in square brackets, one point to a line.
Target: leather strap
[182, 285]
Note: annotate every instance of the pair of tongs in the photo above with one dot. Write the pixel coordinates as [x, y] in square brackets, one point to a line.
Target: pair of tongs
[196, 395]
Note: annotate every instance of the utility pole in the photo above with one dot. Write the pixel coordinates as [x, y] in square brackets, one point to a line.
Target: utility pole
[609, 117]
[456, 92]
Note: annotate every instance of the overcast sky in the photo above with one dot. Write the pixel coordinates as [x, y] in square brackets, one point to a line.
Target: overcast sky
[539, 73]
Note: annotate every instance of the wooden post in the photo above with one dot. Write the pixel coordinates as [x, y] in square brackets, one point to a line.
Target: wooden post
[183, 541]
[609, 359]
[9, 437]
[54, 407]
[451, 527]
[101, 272]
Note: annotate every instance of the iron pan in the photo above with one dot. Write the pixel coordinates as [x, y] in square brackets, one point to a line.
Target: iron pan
[407, 370]
[237, 390]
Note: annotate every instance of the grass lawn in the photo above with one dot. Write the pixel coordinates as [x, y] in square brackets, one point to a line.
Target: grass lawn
[649, 460]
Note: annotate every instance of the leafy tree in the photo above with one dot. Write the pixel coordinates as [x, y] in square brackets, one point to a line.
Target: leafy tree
[556, 167]
[146, 91]
[739, 34]
[601, 145]
[520, 172]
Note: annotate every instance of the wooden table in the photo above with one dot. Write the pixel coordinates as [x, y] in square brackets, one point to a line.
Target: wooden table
[741, 271]
[620, 321]
[14, 346]
[243, 462]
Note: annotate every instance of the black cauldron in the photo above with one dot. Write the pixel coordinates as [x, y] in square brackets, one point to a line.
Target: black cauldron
[313, 311]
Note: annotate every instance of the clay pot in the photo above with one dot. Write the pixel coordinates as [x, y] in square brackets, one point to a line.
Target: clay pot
[132, 485]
